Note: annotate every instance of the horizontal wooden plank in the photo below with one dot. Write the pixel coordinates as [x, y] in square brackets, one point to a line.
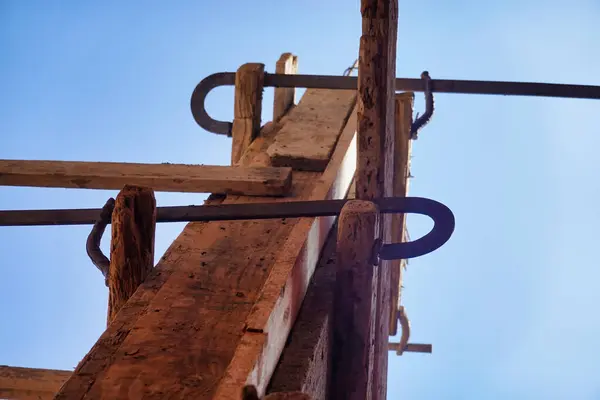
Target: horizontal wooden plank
[30, 383]
[250, 181]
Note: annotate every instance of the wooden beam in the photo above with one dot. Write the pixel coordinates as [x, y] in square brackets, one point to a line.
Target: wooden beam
[250, 181]
[30, 383]
[352, 357]
[404, 116]
[249, 80]
[284, 98]
[132, 245]
[375, 168]
[214, 314]
[290, 146]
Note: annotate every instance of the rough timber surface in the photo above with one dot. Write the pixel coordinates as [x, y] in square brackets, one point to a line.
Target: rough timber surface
[30, 383]
[160, 177]
[304, 365]
[307, 143]
[404, 112]
[132, 244]
[284, 98]
[376, 147]
[209, 318]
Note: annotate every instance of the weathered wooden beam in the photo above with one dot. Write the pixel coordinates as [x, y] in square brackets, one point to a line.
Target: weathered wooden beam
[305, 362]
[132, 245]
[352, 357]
[411, 348]
[30, 383]
[315, 130]
[215, 313]
[375, 168]
[247, 108]
[404, 116]
[284, 98]
[250, 181]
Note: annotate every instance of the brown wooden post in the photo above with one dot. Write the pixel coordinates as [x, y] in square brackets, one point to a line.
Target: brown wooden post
[352, 357]
[375, 165]
[132, 245]
[249, 80]
[284, 98]
[404, 114]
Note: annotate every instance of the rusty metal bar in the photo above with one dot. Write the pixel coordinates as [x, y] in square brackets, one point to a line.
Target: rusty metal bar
[504, 88]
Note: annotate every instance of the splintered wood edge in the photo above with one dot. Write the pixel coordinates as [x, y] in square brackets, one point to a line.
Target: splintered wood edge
[274, 314]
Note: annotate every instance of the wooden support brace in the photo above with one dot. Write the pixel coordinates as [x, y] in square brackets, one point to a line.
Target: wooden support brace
[411, 348]
[375, 165]
[404, 116]
[132, 245]
[249, 80]
[284, 98]
[353, 319]
[30, 383]
[250, 181]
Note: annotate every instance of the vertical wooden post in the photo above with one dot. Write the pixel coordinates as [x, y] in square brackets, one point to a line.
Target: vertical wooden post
[375, 168]
[249, 80]
[284, 98]
[132, 245]
[404, 114]
[352, 358]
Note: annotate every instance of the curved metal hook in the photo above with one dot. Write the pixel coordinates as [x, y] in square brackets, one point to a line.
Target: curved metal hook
[93, 241]
[443, 227]
[422, 120]
[405, 324]
[198, 106]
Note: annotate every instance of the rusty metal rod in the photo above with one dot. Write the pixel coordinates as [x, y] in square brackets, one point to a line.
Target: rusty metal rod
[503, 88]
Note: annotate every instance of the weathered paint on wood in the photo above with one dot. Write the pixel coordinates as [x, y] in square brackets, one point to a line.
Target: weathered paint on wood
[250, 181]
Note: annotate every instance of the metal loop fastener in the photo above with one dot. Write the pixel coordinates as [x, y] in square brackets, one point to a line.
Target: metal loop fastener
[440, 233]
[351, 83]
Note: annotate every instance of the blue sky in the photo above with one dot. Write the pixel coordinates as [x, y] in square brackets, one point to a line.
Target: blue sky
[508, 303]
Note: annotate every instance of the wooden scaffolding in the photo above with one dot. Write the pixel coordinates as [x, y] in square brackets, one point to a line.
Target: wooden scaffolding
[295, 308]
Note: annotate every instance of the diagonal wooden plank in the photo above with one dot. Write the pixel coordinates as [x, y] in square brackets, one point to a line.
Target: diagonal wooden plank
[251, 181]
[191, 318]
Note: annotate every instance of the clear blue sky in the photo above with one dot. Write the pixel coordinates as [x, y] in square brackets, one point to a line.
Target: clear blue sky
[509, 303]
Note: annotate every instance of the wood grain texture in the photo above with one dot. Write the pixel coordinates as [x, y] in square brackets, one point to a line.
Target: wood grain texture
[249, 80]
[30, 383]
[308, 143]
[250, 181]
[376, 147]
[199, 319]
[132, 245]
[284, 98]
[404, 116]
[352, 316]
[305, 362]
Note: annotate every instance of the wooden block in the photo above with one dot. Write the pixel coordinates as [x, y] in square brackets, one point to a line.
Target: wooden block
[132, 245]
[307, 143]
[249, 80]
[201, 320]
[375, 168]
[284, 98]
[250, 181]
[30, 383]
[353, 319]
[404, 116]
